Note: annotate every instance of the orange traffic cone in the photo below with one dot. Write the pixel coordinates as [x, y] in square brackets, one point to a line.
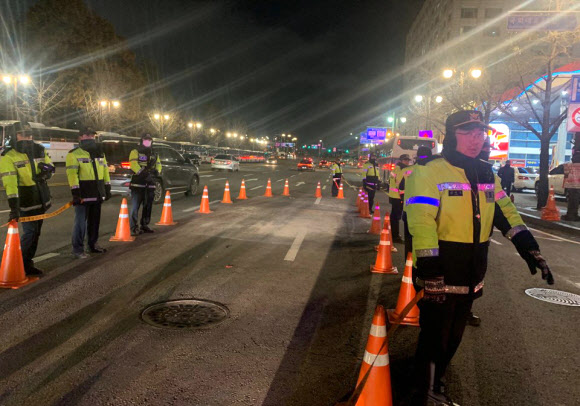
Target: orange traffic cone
[318, 191]
[358, 199]
[166, 213]
[340, 192]
[227, 198]
[406, 294]
[376, 224]
[387, 226]
[123, 232]
[268, 189]
[242, 195]
[384, 262]
[204, 206]
[364, 206]
[377, 388]
[12, 274]
[286, 189]
[551, 212]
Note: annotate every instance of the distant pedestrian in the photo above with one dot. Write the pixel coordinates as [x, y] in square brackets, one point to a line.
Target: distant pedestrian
[506, 174]
[396, 195]
[88, 177]
[572, 185]
[146, 168]
[451, 204]
[371, 180]
[336, 170]
[25, 167]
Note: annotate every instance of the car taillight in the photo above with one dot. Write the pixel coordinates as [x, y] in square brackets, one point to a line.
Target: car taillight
[212, 160]
[523, 178]
[126, 165]
[229, 162]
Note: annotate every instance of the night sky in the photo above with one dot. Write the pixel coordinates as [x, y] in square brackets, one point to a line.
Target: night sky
[316, 69]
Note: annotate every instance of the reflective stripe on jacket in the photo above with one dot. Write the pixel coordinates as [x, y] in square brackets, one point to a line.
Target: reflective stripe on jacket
[395, 178]
[18, 181]
[80, 171]
[336, 169]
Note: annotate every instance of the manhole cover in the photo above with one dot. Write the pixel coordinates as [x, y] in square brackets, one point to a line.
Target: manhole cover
[185, 314]
[554, 296]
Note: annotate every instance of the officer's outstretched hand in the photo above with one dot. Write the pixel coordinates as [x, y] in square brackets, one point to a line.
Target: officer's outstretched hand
[434, 290]
[534, 259]
[14, 215]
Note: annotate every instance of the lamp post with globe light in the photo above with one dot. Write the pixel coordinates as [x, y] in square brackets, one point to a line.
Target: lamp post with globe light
[14, 81]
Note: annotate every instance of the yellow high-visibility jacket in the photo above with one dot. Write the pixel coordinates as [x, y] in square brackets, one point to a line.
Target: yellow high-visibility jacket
[88, 175]
[139, 163]
[336, 169]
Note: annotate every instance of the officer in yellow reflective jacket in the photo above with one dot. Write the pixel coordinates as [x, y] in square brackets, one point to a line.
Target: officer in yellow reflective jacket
[88, 177]
[336, 170]
[396, 194]
[146, 168]
[25, 167]
[371, 180]
[451, 204]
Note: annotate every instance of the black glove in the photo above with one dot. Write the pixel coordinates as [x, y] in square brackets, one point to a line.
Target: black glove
[435, 290]
[107, 192]
[14, 204]
[46, 171]
[529, 250]
[155, 173]
[76, 197]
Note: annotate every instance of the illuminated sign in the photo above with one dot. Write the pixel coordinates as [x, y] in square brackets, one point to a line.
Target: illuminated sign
[285, 144]
[374, 135]
[499, 138]
[426, 133]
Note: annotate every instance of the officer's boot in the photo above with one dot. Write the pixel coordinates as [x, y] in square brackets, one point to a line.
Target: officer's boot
[473, 320]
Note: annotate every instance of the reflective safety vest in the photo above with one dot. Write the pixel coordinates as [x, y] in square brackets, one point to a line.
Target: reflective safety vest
[451, 224]
[371, 178]
[139, 163]
[87, 174]
[336, 169]
[395, 178]
[18, 181]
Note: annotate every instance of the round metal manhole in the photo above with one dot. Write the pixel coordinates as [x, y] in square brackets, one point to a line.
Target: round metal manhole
[554, 296]
[185, 314]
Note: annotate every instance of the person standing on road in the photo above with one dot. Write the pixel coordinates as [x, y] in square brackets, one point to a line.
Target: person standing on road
[451, 205]
[396, 195]
[88, 177]
[146, 167]
[25, 167]
[572, 184]
[506, 174]
[371, 180]
[336, 176]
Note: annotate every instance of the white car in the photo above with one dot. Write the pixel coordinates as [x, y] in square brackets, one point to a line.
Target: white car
[228, 162]
[524, 179]
[555, 179]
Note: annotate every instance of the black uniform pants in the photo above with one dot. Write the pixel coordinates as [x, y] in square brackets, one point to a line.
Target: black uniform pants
[442, 327]
[408, 237]
[507, 187]
[336, 179]
[87, 221]
[396, 213]
[29, 241]
[141, 196]
[573, 199]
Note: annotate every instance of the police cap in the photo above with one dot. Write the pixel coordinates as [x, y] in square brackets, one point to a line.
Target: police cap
[86, 131]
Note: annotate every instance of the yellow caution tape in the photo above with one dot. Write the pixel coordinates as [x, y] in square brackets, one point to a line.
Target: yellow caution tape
[42, 216]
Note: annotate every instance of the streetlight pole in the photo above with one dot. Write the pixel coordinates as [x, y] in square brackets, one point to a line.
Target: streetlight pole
[14, 79]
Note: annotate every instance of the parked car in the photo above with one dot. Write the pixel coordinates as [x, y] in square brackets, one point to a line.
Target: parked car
[178, 174]
[228, 162]
[523, 179]
[271, 160]
[323, 163]
[555, 179]
[306, 165]
[194, 158]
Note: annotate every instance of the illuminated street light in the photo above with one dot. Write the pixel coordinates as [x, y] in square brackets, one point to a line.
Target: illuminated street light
[390, 119]
[116, 104]
[447, 73]
[166, 116]
[7, 79]
[476, 73]
[190, 125]
[418, 98]
[103, 103]
[198, 125]
[438, 99]
[212, 130]
[24, 79]
[156, 116]
[403, 119]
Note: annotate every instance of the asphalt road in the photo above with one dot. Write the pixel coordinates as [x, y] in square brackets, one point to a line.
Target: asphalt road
[294, 274]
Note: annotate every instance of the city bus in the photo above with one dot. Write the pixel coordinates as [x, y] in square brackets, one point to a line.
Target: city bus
[57, 141]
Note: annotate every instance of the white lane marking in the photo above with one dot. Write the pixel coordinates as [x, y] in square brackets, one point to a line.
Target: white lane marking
[251, 180]
[205, 176]
[279, 180]
[197, 207]
[292, 176]
[4, 211]
[293, 251]
[495, 242]
[555, 236]
[257, 187]
[318, 199]
[249, 174]
[213, 180]
[45, 256]
[323, 187]
[327, 180]
[562, 224]
[300, 183]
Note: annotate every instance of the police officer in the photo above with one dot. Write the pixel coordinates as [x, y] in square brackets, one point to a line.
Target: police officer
[88, 177]
[396, 194]
[371, 180]
[146, 167]
[336, 170]
[451, 204]
[25, 167]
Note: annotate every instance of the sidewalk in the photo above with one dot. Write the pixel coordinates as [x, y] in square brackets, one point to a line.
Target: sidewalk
[526, 204]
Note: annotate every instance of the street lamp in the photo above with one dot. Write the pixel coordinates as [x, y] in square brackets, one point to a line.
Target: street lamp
[475, 73]
[14, 80]
[162, 119]
[418, 98]
[438, 99]
[403, 120]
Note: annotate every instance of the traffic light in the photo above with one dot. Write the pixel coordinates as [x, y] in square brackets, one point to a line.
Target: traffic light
[347, 151]
[328, 150]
